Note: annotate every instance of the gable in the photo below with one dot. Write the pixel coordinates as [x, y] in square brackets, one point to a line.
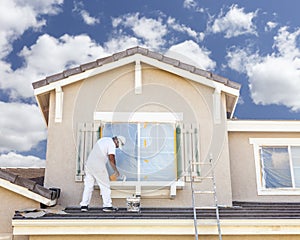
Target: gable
[136, 56]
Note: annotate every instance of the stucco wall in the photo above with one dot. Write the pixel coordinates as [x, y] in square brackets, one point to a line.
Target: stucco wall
[114, 91]
[10, 202]
[242, 162]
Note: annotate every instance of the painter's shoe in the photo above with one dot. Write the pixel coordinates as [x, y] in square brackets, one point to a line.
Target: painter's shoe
[110, 209]
[84, 208]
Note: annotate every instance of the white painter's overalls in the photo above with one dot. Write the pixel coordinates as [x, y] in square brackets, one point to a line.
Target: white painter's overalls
[95, 170]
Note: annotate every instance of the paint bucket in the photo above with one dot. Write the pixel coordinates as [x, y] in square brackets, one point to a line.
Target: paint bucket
[133, 204]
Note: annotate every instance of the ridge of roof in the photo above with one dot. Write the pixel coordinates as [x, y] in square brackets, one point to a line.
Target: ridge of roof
[51, 194]
[129, 52]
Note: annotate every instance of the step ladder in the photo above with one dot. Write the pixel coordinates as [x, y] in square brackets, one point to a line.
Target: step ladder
[210, 176]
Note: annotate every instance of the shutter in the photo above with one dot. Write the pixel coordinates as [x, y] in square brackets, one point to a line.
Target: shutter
[87, 135]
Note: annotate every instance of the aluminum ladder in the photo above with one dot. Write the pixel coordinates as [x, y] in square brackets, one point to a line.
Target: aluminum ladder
[210, 177]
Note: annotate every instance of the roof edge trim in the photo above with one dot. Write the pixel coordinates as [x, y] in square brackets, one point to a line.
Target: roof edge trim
[263, 126]
[26, 193]
[128, 53]
[157, 227]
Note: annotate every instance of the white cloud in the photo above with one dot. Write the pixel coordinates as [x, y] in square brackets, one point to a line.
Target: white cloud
[85, 15]
[184, 29]
[120, 43]
[16, 160]
[189, 4]
[273, 79]
[152, 31]
[18, 16]
[21, 127]
[234, 23]
[190, 52]
[193, 5]
[47, 56]
[89, 20]
[270, 25]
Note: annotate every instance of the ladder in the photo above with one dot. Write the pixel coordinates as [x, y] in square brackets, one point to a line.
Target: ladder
[210, 176]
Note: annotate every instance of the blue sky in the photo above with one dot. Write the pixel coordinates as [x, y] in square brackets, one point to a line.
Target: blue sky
[255, 43]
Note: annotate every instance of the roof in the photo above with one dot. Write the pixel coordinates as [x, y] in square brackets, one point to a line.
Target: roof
[239, 210]
[243, 218]
[35, 174]
[43, 87]
[129, 52]
[28, 187]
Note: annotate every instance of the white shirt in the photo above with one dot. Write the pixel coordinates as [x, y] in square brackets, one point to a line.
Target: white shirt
[98, 157]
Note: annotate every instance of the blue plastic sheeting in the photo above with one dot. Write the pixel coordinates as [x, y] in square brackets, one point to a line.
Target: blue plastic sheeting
[276, 167]
[148, 154]
[295, 152]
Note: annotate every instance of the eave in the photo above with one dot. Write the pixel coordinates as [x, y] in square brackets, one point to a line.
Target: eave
[155, 227]
[263, 126]
[27, 193]
[28, 188]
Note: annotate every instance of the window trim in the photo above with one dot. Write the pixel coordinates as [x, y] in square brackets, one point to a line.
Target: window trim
[259, 142]
[160, 117]
[138, 117]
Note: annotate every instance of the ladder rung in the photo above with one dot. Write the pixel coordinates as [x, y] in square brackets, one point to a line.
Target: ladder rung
[201, 178]
[203, 192]
[201, 163]
[206, 207]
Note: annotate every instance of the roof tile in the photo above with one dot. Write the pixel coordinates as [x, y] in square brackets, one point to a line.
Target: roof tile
[105, 60]
[27, 183]
[54, 78]
[187, 67]
[43, 191]
[132, 51]
[8, 176]
[170, 61]
[155, 55]
[88, 66]
[72, 71]
[219, 78]
[143, 51]
[234, 85]
[39, 84]
[120, 55]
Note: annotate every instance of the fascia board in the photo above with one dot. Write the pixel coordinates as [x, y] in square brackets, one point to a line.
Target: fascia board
[189, 75]
[26, 193]
[137, 57]
[86, 74]
[154, 227]
[262, 126]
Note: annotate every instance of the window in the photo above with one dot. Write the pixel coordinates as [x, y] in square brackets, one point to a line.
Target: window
[277, 165]
[149, 152]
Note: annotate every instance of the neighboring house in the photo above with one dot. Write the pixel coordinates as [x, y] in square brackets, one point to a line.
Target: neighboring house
[22, 189]
[171, 113]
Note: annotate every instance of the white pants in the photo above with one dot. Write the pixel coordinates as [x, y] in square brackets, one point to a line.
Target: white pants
[89, 181]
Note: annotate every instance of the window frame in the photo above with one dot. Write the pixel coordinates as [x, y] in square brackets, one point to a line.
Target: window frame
[273, 142]
[159, 117]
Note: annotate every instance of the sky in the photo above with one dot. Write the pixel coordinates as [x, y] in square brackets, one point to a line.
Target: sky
[255, 43]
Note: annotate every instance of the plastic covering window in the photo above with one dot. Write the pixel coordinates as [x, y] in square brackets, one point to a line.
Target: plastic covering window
[149, 152]
[280, 166]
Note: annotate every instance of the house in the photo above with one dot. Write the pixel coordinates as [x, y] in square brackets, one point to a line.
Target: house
[22, 189]
[171, 114]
